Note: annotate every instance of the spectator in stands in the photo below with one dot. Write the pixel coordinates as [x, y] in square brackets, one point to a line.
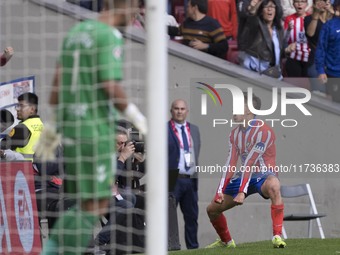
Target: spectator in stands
[263, 34]
[327, 55]
[297, 58]
[243, 14]
[26, 134]
[225, 12]
[200, 31]
[171, 21]
[289, 9]
[139, 20]
[6, 55]
[322, 12]
[6, 121]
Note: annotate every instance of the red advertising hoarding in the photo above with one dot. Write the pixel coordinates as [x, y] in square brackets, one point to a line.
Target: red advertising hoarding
[19, 226]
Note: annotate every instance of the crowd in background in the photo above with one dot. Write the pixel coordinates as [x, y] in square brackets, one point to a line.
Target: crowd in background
[284, 39]
[276, 38]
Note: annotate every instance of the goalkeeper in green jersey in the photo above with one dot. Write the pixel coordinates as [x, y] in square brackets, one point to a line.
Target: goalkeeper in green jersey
[86, 90]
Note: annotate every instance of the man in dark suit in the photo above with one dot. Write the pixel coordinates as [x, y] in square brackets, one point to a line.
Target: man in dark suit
[183, 150]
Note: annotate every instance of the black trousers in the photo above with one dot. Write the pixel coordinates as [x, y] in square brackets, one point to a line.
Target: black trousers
[295, 68]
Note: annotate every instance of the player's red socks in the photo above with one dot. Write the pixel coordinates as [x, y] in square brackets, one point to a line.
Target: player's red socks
[277, 218]
[221, 227]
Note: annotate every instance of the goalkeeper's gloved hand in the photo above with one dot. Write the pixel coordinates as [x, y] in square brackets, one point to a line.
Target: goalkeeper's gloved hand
[49, 140]
[137, 118]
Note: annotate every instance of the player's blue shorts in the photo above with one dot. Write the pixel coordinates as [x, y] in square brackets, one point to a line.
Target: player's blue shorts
[256, 181]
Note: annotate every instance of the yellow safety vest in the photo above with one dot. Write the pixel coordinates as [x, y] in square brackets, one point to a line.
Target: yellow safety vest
[35, 126]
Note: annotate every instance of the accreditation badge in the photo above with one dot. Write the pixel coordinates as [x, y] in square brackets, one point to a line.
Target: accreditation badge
[188, 159]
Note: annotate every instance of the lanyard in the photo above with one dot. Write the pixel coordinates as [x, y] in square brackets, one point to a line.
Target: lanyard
[177, 135]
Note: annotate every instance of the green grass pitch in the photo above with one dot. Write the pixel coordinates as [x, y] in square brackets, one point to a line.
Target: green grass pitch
[294, 247]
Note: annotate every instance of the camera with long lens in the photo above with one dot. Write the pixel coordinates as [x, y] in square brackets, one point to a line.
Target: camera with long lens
[139, 146]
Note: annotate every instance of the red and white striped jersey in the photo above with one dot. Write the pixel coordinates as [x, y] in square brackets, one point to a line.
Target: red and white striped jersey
[256, 148]
[297, 34]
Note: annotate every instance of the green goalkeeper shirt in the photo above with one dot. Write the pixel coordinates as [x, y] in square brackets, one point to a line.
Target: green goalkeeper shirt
[91, 55]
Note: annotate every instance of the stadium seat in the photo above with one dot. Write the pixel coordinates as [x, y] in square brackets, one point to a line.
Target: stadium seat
[179, 14]
[178, 10]
[232, 54]
[298, 191]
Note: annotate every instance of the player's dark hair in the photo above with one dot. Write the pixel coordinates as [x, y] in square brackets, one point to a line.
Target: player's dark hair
[256, 100]
[202, 5]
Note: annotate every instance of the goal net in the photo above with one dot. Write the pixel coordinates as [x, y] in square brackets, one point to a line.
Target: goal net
[36, 31]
